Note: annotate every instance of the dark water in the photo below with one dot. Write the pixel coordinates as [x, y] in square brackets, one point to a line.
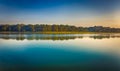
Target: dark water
[68, 52]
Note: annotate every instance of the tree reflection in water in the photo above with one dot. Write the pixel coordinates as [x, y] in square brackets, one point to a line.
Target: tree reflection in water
[55, 36]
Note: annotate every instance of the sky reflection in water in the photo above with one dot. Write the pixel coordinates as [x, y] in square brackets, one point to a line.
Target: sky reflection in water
[59, 52]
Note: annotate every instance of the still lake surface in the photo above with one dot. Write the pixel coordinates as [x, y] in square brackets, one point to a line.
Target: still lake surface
[59, 52]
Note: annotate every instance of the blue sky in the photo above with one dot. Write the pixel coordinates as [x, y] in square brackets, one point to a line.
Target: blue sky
[75, 12]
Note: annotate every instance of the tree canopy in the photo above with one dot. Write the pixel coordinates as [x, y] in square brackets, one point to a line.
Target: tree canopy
[54, 28]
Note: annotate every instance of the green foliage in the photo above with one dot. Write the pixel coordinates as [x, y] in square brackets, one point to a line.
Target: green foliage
[54, 28]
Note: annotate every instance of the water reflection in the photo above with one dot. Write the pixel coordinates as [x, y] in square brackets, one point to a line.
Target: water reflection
[49, 59]
[56, 36]
[83, 52]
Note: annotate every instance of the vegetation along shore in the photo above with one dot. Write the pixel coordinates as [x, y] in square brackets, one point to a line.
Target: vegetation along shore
[55, 29]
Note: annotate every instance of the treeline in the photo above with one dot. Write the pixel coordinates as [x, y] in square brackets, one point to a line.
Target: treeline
[54, 28]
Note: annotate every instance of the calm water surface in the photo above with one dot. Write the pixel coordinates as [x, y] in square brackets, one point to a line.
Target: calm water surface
[66, 52]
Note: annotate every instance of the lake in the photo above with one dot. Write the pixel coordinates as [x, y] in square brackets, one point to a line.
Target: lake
[59, 52]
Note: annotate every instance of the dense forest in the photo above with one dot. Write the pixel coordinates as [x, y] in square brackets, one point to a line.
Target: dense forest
[54, 28]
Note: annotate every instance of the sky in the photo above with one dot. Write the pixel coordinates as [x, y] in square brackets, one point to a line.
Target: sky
[72, 12]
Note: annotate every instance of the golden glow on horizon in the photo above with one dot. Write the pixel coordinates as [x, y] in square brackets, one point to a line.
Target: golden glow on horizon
[108, 20]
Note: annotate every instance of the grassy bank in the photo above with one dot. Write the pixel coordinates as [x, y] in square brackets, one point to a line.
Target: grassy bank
[48, 32]
[54, 33]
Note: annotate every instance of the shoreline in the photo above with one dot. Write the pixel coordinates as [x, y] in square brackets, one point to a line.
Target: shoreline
[58, 33]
